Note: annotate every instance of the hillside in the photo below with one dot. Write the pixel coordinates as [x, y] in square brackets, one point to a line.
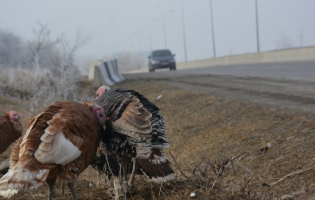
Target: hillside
[222, 149]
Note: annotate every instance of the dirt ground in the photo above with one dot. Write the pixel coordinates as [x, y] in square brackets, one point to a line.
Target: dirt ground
[221, 147]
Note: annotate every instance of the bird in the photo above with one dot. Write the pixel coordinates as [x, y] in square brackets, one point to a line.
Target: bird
[10, 129]
[135, 129]
[59, 144]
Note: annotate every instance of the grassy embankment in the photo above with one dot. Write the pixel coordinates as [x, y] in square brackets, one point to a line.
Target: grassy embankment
[225, 149]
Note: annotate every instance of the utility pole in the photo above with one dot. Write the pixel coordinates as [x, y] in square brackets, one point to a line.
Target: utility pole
[213, 41]
[183, 17]
[257, 26]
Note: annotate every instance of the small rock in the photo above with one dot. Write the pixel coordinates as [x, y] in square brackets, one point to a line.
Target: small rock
[158, 97]
[193, 195]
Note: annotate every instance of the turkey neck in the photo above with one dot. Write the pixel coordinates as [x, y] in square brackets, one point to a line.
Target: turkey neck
[18, 129]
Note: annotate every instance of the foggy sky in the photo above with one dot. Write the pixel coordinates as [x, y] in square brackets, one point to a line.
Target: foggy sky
[123, 25]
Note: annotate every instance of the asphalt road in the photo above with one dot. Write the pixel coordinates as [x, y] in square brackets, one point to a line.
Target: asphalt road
[285, 85]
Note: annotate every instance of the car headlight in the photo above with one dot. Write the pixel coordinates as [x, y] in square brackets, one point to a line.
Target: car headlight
[155, 61]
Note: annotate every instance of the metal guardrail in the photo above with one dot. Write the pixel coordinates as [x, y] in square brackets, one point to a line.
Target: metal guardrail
[105, 72]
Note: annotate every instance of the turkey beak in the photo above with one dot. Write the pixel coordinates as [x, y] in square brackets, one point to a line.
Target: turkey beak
[103, 124]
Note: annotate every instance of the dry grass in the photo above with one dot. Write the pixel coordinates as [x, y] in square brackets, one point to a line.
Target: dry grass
[206, 134]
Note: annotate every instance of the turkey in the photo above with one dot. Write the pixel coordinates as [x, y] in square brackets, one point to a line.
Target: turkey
[136, 130]
[59, 143]
[10, 129]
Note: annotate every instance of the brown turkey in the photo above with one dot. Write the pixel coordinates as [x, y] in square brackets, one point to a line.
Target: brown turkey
[136, 130]
[10, 129]
[59, 143]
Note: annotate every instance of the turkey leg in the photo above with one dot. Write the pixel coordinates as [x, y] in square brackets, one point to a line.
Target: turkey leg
[71, 187]
[133, 173]
[125, 167]
[52, 189]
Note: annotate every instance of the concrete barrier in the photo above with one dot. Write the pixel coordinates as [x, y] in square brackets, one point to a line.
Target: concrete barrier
[288, 55]
[115, 64]
[104, 72]
[111, 72]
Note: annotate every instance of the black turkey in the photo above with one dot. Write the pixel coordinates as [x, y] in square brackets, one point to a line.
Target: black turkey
[135, 130]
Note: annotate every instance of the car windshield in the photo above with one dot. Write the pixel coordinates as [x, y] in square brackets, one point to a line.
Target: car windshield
[161, 53]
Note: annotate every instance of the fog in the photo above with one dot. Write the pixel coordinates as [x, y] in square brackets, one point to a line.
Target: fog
[124, 25]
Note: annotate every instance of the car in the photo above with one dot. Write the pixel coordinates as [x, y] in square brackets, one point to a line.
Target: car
[160, 59]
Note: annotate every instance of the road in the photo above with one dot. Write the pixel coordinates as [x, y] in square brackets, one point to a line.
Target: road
[286, 85]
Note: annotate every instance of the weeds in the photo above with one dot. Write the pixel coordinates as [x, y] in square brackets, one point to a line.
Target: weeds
[36, 88]
[225, 150]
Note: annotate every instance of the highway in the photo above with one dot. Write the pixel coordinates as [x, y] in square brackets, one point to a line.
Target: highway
[285, 85]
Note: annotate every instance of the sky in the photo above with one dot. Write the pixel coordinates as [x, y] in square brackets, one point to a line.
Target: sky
[138, 25]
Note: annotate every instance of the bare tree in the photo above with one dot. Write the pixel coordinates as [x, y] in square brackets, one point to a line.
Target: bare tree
[130, 61]
[69, 50]
[50, 75]
[42, 38]
[11, 50]
[284, 42]
[43, 49]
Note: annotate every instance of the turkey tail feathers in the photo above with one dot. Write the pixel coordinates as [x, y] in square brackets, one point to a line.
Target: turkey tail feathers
[25, 174]
[21, 178]
[155, 164]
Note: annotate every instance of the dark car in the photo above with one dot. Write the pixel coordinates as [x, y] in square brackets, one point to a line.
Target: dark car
[160, 59]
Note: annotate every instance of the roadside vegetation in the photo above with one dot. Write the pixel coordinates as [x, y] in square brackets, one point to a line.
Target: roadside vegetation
[220, 148]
